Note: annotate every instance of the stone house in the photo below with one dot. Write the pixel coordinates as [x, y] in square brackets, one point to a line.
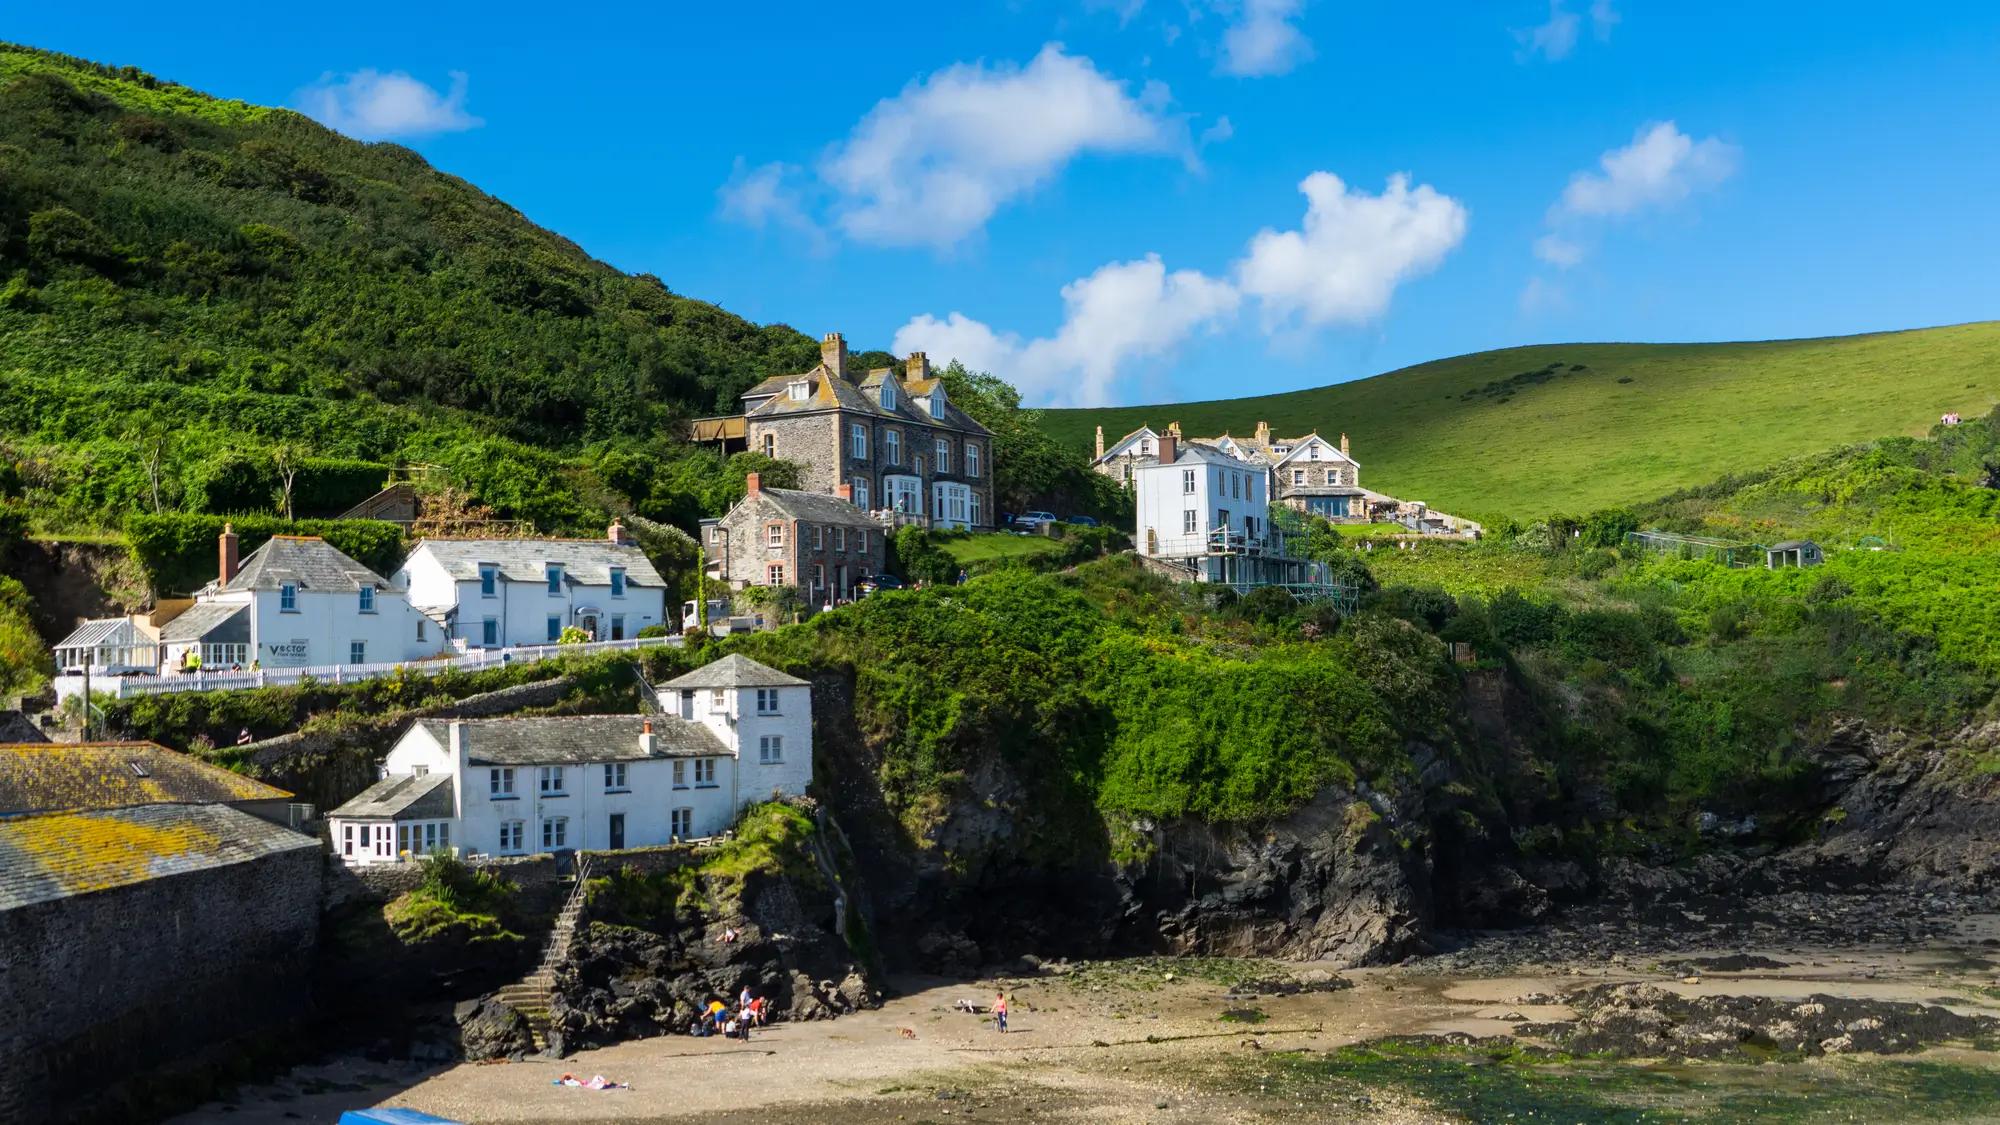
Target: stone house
[895, 442]
[1126, 454]
[731, 733]
[823, 545]
[1308, 473]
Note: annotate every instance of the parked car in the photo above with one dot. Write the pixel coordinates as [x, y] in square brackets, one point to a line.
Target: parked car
[1033, 521]
[875, 582]
[1083, 521]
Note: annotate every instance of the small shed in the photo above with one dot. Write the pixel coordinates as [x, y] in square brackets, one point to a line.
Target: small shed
[1793, 552]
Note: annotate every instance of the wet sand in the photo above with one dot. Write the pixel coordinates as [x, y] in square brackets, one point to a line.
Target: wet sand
[1118, 1042]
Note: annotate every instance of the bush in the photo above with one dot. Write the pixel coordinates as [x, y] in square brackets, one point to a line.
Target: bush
[455, 904]
[177, 550]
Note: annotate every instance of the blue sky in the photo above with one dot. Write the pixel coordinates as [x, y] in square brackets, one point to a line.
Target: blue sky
[1047, 188]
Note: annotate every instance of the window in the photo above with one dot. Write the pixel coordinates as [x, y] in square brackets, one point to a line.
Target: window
[1145, 447]
[819, 537]
[420, 771]
[368, 599]
[420, 628]
[770, 445]
[889, 391]
[489, 632]
[819, 576]
[840, 539]
[614, 775]
[861, 493]
[798, 389]
[918, 464]
[555, 627]
[774, 534]
[1189, 522]
[971, 459]
[770, 749]
[1236, 486]
[861, 540]
[857, 441]
[977, 519]
[774, 575]
[500, 784]
[552, 781]
[681, 824]
[680, 775]
[1250, 526]
[943, 456]
[555, 832]
[1298, 476]
[1333, 476]
[1222, 517]
[617, 581]
[617, 626]
[704, 773]
[288, 598]
[767, 701]
[1187, 482]
[510, 835]
[347, 839]
[357, 652]
[716, 698]
[489, 580]
[892, 445]
[555, 579]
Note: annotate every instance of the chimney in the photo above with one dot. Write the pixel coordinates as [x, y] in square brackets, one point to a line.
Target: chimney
[1263, 433]
[845, 492]
[833, 353]
[1170, 444]
[917, 367]
[616, 533]
[1343, 445]
[648, 741]
[1100, 443]
[751, 483]
[226, 549]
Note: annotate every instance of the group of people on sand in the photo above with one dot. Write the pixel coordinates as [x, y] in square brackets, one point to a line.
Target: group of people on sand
[999, 1010]
[732, 1023]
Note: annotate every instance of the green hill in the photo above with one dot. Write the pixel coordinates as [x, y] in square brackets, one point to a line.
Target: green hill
[1572, 427]
[218, 279]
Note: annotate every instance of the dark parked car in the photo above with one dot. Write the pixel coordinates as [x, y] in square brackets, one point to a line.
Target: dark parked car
[880, 582]
[1083, 521]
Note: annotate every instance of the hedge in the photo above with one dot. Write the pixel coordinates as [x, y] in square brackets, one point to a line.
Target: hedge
[177, 550]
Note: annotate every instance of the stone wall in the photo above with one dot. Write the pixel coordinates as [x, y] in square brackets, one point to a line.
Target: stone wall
[537, 875]
[107, 999]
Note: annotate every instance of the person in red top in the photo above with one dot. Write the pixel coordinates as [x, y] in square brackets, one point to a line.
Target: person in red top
[1000, 1011]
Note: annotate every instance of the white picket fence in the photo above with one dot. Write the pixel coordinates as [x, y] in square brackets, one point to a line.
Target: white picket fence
[126, 687]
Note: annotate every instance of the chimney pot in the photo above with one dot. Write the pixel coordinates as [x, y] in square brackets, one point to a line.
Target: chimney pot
[845, 492]
[1170, 445]
[833, 354]
[752, 482]
[1100, 443]
[917, 367]
[616, 533]
[1343, 445]
[647, 726]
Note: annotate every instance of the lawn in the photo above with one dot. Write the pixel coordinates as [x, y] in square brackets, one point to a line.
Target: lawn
[997, 545]
[1572, 427]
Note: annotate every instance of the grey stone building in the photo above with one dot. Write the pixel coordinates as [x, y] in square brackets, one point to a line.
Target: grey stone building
[894, 442]
[824, 545]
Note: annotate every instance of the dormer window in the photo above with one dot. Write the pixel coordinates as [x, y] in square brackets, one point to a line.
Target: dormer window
[889, 393]
[799, 390]
[937, 401]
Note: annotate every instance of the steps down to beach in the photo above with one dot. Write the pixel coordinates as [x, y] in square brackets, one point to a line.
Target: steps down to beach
[531, 994]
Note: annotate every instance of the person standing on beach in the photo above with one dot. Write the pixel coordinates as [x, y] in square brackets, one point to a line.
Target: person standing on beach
[1000, 1011]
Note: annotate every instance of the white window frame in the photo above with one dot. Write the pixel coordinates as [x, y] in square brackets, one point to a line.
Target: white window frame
[1190, 521]
[704, 773]
[549, 782]
[971, 459]
[512, 833]
[774, 535]
[892, 446]
[818, 537]
[680, 774]
[839, 540]
[857, 441]
[1187, 482]
[767, 701]
[770, 749]
[976, 518]
[555, 833]
[615, 777]
[681, 823]
[861, 493]
[942, 450]
[499, 783]
[774, 574]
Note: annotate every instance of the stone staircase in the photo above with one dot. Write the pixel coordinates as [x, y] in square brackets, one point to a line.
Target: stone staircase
[531, 994]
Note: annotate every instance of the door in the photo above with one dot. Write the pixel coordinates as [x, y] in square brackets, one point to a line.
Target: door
[617, 831]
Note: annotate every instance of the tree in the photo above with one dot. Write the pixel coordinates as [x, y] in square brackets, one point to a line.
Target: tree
[1030, 468]
[288, 457]
[155, 446]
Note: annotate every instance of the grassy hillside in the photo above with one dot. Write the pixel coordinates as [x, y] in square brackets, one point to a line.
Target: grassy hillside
[1572, 427]
[201, 282]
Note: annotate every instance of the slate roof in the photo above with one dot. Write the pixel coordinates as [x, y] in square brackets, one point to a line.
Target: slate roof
[1190, 452]
[402, 797]
[311, 562]
[588, 561]
[564, 739]
[815, 507]
[214, 622]
[833, 392]
[734, 670]
[98, 631]
[50, 856]
[46, 776]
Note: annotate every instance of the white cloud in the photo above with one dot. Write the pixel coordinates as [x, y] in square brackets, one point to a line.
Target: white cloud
[370, 105]
[1661, 166]
[1221, 131]
[931, 165]
[1541, 295]
[1263, 38]
[1353, 251]
[1122, 312]
[769, 195]
[1556, 38]
[1558, 251]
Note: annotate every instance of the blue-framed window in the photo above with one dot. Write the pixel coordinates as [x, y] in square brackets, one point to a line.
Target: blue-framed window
[368, 599]
[288, 598]
[617, 581]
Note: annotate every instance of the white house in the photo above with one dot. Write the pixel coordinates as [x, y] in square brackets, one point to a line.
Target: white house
[734, 732]
[1199, 504]
[494, 593]
[1125, 455]
[296, 601]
